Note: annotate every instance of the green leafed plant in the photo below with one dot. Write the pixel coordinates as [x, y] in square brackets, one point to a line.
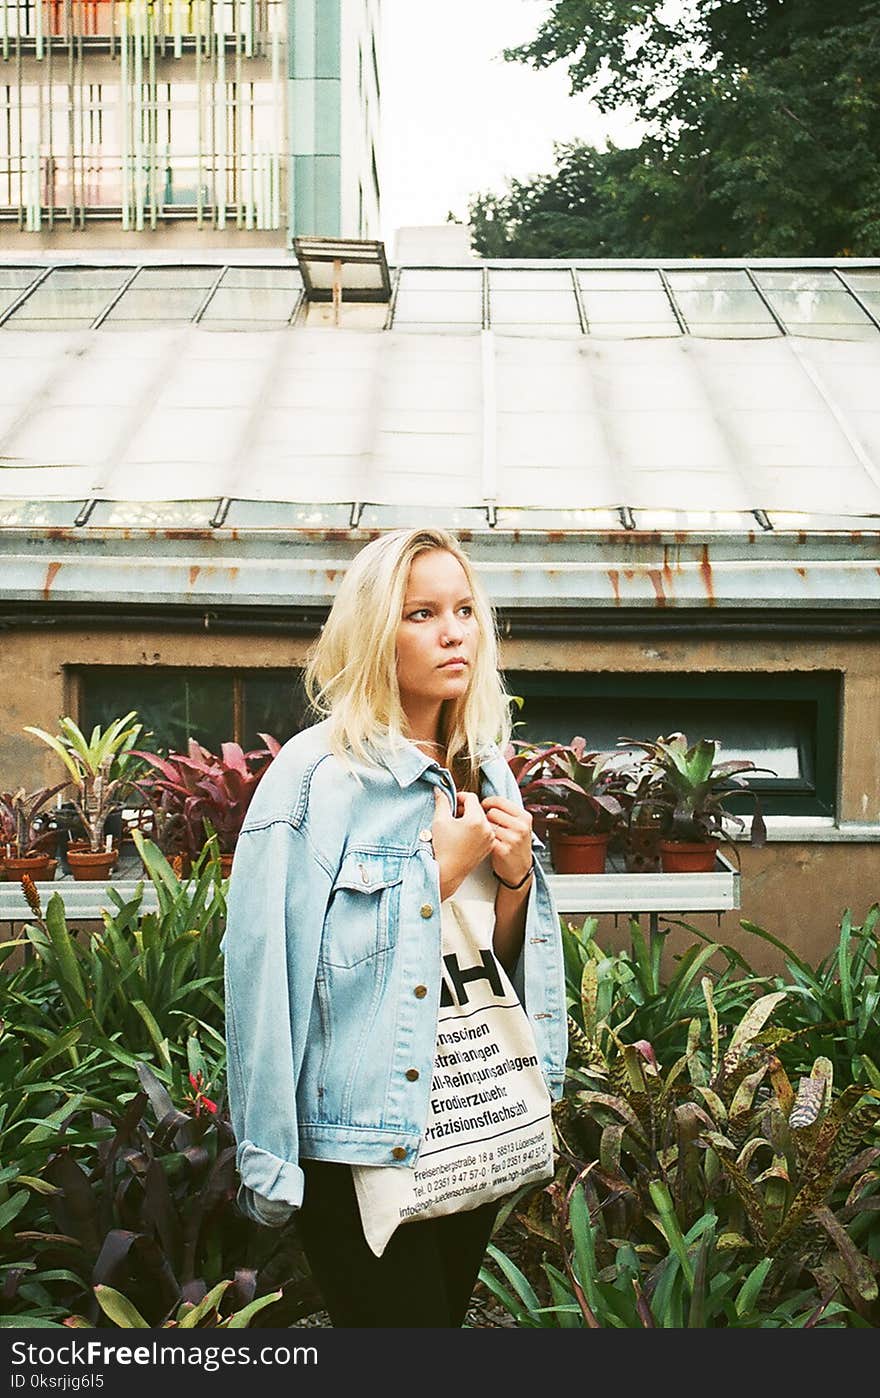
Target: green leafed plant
[102, 767]
[710, 1192]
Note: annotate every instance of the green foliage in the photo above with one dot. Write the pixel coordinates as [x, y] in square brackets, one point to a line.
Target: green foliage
[761, 134]
[718, 1190]
[833, 1007]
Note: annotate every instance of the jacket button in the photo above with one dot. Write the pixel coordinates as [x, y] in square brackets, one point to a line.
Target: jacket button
[424, 835]
[420, 992]
[426, 910]
[399, 1153]
[412, 1074]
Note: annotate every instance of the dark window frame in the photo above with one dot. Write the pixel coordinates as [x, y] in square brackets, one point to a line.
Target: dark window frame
[779, 796]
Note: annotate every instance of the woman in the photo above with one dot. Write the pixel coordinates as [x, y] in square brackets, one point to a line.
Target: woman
[362, 827]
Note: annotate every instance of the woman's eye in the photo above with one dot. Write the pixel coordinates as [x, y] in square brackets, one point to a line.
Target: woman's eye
[468, 611]
[422, 611]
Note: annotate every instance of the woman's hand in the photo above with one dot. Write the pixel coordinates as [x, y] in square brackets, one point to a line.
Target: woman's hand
[512, 838]
[460, 841]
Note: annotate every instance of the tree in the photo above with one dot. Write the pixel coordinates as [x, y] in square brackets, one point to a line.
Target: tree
[762, 133]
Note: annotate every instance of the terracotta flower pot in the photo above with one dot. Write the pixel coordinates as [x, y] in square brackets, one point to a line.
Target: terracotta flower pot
[685, 857]
[37, 866]
[87, 865]
[579, 854]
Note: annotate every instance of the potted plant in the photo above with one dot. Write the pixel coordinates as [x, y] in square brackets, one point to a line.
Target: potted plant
[573, 797]
[199, 794]
[688, 787]
[103, 768]
[26, 837]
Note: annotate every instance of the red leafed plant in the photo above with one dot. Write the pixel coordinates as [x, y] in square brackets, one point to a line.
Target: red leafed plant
[197, 792]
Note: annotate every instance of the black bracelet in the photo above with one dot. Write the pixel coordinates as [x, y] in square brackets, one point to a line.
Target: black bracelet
[515, 886]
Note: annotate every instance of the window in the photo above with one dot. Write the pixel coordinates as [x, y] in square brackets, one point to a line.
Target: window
[787, 722]
[213, 706]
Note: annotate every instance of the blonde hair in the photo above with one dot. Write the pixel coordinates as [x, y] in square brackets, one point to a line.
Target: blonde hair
[351, 671]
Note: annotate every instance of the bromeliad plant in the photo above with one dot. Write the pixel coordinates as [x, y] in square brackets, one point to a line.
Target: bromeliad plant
[568, 788]
[688, 786]
[194, 794]
[712, 1192]
[102, 768]
[24, 829]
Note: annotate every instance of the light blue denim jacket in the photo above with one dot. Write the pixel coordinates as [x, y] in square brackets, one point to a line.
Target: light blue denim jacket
[332, 960]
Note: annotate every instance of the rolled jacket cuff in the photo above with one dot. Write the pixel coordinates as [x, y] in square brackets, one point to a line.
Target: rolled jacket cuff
[281, 1181]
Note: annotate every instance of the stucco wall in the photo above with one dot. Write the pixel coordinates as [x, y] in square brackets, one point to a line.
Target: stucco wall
[797, 891]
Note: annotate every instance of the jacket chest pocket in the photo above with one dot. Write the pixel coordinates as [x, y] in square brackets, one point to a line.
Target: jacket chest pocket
[364, 908]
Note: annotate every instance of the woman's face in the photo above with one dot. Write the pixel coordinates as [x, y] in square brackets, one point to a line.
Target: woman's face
[438, 626]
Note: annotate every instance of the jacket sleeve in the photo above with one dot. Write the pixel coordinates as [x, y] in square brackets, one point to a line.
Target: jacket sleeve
[278, 896]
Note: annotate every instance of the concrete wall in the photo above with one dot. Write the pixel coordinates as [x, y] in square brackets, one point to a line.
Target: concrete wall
[797, 891]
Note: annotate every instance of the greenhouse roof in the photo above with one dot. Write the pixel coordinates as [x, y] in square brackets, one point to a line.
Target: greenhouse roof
[539, 401]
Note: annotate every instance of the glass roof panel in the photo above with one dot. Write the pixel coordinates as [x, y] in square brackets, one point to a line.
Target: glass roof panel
[866, 278]
[610, 307]
[722, 306]
[282, 514]
[734, 280]
[528, 279]
[55, 323]
[252, 303]
[625, 280]
[542, 329]
[153, 514]
[441, 279]
[70, 297]
[733, 330]
[172, 276]
[448, 327]
[817, 280]
[436, 307]
[819, 330]
[19, 277]
[533, 307]
[39, 514]
[811, 307]
[155, 304]
[272, 278]
[634, 330]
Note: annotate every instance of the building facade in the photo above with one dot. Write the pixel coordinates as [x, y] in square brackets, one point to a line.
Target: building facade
[667, 474]
[169, 123]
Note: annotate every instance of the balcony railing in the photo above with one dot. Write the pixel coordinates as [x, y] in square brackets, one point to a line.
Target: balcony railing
[170, 27]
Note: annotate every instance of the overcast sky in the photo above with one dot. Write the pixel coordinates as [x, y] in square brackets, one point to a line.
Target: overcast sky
[457, 119]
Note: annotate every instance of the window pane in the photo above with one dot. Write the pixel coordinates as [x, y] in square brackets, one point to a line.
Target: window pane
[173, 705]
[722, 306]
[709, 281]
[776, 738]
[624, 280]
[70, 297]
[610, 307]
[250, 303]
[274, 703]
[533, 308]
[439, 307]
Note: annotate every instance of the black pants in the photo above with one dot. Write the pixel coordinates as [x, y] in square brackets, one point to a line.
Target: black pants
[425, 1275]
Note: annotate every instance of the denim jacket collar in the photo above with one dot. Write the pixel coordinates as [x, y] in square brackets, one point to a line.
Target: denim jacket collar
[406, 762]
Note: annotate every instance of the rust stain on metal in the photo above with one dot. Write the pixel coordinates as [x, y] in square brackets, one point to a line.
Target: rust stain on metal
[801, 572]
[330, 574]
[614, 579]
[802, 538]
[706, 574]
[555, 536]
[657, 584]
[183, 533]
[51, 574]
[629, 573]
[193, 574]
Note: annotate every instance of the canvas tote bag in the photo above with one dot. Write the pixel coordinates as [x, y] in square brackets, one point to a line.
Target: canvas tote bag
[488, 1129]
